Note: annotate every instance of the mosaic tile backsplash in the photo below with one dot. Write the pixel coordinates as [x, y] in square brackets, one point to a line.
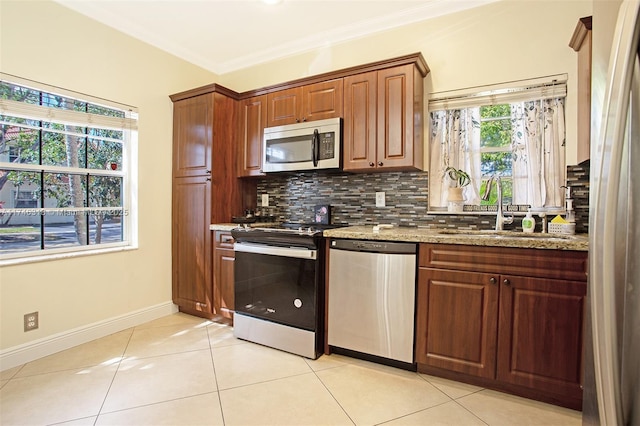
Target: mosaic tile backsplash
[292, 197]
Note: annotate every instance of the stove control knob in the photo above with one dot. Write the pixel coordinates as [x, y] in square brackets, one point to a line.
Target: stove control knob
[297, 303]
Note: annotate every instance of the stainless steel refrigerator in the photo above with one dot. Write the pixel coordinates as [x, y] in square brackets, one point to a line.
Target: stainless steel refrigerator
[612, 361]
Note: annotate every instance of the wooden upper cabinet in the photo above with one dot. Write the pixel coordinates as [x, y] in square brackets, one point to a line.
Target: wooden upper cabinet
[581, 43]
[305, 103]
[400, 101]
[252, 121]
[192, 136]
[359, 125]
[383, 120]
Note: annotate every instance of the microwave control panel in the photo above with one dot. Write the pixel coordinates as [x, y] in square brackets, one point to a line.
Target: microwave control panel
[327, 141]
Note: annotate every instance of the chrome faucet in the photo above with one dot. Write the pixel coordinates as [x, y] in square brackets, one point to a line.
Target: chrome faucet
[500, 218]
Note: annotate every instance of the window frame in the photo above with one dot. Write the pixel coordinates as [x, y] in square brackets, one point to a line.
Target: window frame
[127, 171]
[514, 92]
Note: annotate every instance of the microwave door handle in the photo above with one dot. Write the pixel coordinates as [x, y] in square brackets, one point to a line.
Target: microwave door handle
[315, 148]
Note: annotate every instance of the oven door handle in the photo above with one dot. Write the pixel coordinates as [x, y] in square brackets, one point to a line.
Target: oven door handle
[300, 253]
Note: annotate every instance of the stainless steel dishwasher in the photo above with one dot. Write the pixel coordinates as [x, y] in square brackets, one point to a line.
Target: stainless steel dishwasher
[372, 300]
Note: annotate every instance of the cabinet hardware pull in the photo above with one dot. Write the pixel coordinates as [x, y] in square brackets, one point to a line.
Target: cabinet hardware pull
[208, 179]
[371, 164]
[208, 172]
[492, 280]
[380, 163]
[506, 282]
[304, 119]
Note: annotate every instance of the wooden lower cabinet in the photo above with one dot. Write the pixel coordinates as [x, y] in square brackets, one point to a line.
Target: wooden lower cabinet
[502, 330]
[223, 275]
[191, 245]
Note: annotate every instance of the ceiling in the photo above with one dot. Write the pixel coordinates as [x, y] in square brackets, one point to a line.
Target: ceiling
[226, 35]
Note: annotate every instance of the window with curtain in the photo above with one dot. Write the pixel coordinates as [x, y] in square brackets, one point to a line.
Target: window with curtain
[516, 132]
[66, 167]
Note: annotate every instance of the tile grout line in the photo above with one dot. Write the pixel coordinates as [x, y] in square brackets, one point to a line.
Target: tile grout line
[330, 393]
[124, 351]
[215, 375]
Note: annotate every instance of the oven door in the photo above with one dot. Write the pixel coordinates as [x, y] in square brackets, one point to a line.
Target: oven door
[277, 284]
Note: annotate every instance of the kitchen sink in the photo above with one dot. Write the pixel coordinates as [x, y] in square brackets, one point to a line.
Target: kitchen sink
[504, 234]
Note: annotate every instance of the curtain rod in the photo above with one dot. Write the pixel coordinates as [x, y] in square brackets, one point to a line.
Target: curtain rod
[505, 87]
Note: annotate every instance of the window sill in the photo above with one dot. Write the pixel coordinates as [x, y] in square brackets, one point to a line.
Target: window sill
[65, 255]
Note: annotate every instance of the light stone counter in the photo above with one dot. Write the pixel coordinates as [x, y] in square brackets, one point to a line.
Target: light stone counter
[578, 242]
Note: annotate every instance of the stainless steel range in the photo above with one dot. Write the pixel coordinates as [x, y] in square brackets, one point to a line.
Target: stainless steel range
[279, 287]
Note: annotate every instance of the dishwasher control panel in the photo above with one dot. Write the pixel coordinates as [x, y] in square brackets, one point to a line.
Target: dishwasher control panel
[374, 246]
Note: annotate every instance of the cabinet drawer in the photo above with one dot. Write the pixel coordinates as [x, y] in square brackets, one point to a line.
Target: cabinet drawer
[558, 264]
[224, 239]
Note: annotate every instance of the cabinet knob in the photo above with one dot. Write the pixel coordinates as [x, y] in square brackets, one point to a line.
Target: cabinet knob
[380, 163]
[506, 282]
[297, 120]
[371, 164]
[492, 280]
[208, 179]
[208, 172]
[304, 119]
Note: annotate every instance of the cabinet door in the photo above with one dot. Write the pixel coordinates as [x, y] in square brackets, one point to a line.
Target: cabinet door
[191, 244]
[396, 118]
[223, 265]
[192, 136]
[284, 107]
[540, 334]
[359, 130]
[456, 321]
[322, 100]
[253, 120]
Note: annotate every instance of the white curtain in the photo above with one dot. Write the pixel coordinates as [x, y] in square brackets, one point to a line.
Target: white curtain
[538, 152]
[455, 142]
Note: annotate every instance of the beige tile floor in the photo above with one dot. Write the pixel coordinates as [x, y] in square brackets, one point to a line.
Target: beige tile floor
[183, 370]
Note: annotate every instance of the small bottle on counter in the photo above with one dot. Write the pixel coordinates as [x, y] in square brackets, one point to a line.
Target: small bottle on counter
[528, 223]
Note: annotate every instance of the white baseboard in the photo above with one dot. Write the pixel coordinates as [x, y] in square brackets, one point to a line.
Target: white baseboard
[36, 349]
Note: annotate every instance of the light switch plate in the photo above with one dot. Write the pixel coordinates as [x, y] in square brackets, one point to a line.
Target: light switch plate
[265, 200]
[380, 199]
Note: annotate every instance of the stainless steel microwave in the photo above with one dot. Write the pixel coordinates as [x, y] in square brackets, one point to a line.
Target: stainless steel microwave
[310, 145]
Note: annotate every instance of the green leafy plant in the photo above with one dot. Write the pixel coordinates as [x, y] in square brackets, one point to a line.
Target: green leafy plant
[458, 176]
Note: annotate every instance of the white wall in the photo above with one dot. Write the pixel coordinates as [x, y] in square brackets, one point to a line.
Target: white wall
[43, 41]
[503, 41]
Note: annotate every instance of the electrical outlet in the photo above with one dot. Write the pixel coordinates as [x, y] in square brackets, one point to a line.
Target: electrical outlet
[31, 321]
[265, 200]
[380, 201]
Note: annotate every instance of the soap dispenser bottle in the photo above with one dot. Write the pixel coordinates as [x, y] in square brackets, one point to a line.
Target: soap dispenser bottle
[528, 223]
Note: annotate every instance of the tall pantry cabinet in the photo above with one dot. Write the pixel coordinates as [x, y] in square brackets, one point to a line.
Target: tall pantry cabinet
[204, 190]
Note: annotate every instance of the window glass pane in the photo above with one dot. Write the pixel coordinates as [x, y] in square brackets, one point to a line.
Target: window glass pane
[64, 190]
[18, 93]
[105, 191]
[495, 128]
[106, 228]
[22, 145]
[104, 154]
[62, 149]
[496, 162]
[507, 192]
[64, 229]
[19, 190]
[22, 234]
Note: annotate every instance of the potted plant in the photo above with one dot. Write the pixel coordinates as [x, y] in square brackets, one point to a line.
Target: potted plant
[460, 179]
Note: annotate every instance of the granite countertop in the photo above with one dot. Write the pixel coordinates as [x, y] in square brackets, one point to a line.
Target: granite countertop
[578, 242]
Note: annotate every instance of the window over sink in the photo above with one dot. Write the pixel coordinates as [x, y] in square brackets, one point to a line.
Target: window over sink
[515, 131]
